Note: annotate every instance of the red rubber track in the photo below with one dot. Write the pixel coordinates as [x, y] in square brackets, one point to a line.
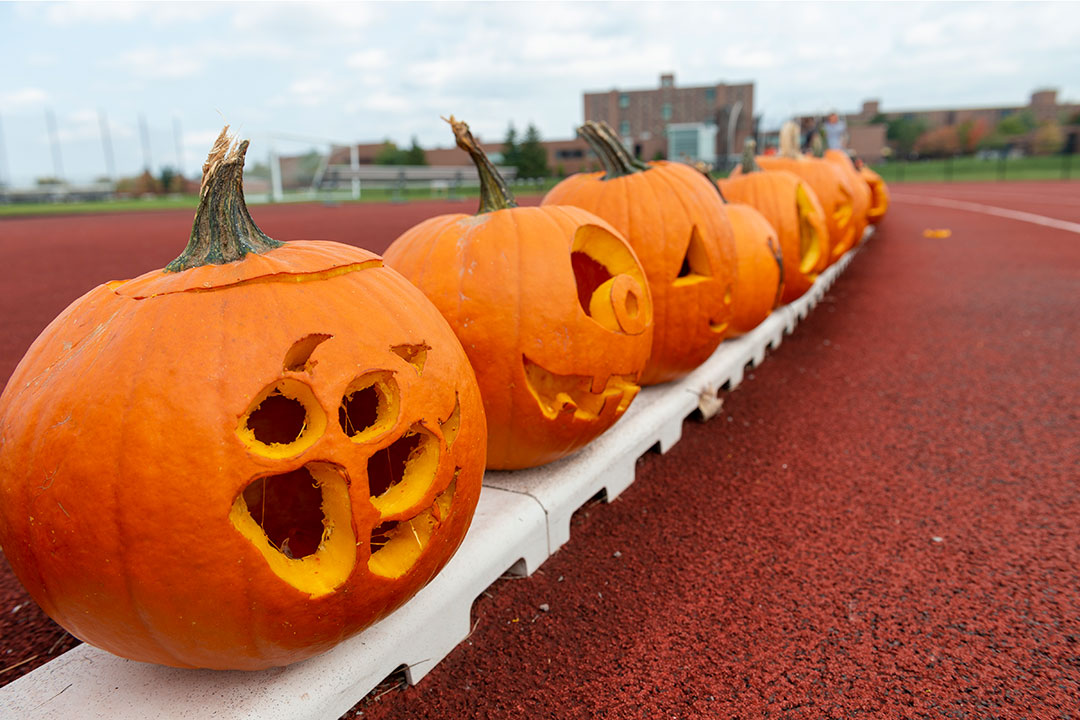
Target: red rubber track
[1055, 198]
[884, 520]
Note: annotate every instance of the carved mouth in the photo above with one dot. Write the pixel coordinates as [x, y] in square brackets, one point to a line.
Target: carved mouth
[583, 396]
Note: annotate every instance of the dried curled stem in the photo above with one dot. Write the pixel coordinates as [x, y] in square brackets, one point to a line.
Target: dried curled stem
[223, 230]
[494, 192]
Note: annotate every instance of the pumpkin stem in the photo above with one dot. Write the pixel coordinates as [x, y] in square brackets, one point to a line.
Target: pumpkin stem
[706, 169]
[223, 230]
[789, 141]
[613, 155]
[609, 133]
[494, 192]
[749, 164]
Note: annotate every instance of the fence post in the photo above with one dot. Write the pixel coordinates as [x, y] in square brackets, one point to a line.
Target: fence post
[399, 188]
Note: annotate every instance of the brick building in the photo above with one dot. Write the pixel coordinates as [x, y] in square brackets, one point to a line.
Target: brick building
[641, 117]
[867, 128]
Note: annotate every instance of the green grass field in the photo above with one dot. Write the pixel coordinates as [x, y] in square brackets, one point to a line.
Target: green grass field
[190, 202]
[966, 169]
[1053, 167]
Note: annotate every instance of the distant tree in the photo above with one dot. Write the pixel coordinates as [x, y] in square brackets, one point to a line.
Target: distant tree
[939, 142]
[258, 170]
[511, 151]
[1075, 119]
[43, 181]
[532, 155]
[970, 134]
[306, 168]
[878, 119]
[390, 154]
[171, 181]
[415, 155]
[1049, 138]
[994, 141]
[1016, 124]
[904, 132]
[658, 155]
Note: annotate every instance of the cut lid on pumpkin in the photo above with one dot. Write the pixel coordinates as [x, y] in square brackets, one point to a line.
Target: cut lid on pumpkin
[287, 263]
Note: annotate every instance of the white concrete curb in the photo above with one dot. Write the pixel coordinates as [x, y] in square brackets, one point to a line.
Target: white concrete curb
[523, 517]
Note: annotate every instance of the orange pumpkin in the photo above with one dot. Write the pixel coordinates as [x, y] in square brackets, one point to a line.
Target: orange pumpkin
[879, 194]
[832, 187]
[551, 305]
[790, 206]
[672, 218]
[760, 282]
[860, 196]
[243, 459]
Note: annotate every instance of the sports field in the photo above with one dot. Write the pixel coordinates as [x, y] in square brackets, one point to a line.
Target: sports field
[882, 521]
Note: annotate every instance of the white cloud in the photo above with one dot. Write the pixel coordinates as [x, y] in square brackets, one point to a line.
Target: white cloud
[23, 99]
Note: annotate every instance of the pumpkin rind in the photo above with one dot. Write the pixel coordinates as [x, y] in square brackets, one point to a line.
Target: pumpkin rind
[793, 210]
[758, 287]
[123, 476]
[861, 196]
[879, 195]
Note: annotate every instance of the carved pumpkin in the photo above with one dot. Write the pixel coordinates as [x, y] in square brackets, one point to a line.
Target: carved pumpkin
[832, 187]
[672, 218]
[243, 459]
[760, 282]
[860, 191]
[879, 194]
[551, 306]
[790, 206]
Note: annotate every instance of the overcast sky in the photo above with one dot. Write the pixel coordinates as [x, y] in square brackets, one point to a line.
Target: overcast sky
[365, 72]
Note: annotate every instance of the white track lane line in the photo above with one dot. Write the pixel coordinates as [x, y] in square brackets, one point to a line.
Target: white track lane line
[990, 210]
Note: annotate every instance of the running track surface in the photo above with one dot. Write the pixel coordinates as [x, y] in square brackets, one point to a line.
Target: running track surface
[883, 521]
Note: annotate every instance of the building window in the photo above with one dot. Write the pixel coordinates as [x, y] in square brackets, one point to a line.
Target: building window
[624, 100]
[665, 111]
[624, 128]
[570, 153]
[710, 95]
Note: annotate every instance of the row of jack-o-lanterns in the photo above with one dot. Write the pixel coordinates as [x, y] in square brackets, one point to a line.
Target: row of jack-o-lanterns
[242, 459]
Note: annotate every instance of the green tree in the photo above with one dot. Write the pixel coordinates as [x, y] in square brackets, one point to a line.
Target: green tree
[415, 155]
[390, 154]
[1016, 124]
[532, 156]
[904, 132]
[511, 151]
[1049, 139]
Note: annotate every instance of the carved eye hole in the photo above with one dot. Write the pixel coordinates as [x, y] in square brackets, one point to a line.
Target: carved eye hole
[284, 420]
[695, 266]
[369, 407]
[610, 283]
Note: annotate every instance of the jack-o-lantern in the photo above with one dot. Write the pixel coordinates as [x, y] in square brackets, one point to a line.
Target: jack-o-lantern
[832, 187]
[879, 193]
[760, 282]
[861, 198]
[673, 219]
[243, 459]
[790, 206]
[551, 306]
